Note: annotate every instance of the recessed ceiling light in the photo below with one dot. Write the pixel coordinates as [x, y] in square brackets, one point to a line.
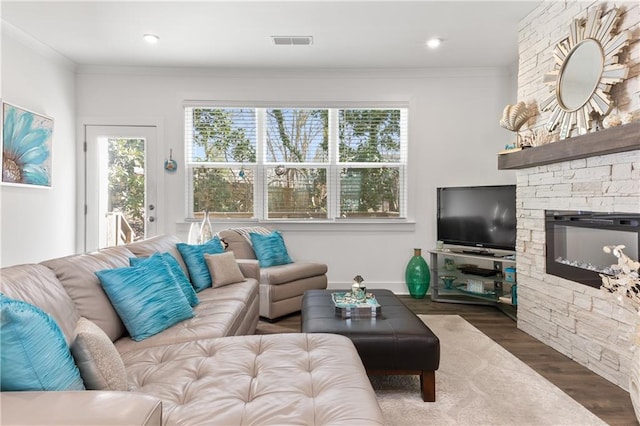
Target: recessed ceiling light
[151, 38]
[433, 43]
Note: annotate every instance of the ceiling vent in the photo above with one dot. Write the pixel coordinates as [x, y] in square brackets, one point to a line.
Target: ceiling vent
[292, 40]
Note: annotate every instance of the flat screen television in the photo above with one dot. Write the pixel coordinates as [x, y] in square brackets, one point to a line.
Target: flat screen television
[483, 217]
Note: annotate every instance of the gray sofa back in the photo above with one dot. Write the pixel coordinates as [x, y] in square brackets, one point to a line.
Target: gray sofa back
[77, 275]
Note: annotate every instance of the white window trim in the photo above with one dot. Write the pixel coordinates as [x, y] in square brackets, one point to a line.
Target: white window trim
[333, 165]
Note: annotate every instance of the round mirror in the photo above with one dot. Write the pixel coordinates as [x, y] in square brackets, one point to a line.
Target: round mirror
[584, 72]
[580, 75]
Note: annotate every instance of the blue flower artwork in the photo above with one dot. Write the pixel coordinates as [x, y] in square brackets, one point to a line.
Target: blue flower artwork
[26, 147]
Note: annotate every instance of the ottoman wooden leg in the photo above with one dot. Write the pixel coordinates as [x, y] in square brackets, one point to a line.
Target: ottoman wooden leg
[428, 385]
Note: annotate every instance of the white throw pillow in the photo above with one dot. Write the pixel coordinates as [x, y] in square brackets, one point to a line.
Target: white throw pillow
[100, 365]
[224, 269]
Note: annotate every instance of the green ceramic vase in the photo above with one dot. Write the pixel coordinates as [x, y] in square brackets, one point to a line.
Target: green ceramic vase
[417, 275]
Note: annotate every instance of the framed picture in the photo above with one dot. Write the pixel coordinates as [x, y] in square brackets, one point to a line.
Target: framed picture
[26, 147]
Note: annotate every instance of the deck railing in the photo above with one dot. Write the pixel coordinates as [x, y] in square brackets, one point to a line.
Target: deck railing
[119, 231]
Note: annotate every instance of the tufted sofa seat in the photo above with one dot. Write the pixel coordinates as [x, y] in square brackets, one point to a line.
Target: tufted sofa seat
[256, 380]
[206, 370]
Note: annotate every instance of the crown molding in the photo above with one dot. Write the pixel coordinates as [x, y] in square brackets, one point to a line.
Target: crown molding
[301, 73]
[35, 45]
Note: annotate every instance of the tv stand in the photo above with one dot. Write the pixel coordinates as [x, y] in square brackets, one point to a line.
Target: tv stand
[452, 271]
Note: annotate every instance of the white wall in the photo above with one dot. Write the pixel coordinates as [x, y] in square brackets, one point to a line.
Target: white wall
[39, 223]
[453, 131]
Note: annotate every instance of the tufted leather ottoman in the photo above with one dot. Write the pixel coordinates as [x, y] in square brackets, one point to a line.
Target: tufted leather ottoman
[396, 342]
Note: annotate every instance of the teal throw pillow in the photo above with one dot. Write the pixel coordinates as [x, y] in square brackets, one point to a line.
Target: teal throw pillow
[270, 249]
[34, 355]
[143, 298]
[175, 274]
[193, 256]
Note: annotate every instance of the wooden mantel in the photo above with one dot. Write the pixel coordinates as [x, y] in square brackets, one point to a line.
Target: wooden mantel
[608, 141]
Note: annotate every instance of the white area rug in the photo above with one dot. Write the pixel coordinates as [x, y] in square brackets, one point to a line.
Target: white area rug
[478, 383]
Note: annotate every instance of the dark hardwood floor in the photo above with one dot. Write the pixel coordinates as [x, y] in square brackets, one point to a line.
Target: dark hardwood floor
[606, 400]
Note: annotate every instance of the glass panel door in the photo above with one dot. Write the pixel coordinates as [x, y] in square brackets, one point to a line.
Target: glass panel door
[120, 189]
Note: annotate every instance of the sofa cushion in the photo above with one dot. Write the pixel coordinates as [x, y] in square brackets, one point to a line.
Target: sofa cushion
[38, 285]
[34, 354]
[271, 379]
[77, 275]
[175, 273]
[193, 255]
[270, 249]
[224, 269]
[159, 244]
[97, 359]
[221, 312]
[244, 291]
[146, 297]
[291, 272]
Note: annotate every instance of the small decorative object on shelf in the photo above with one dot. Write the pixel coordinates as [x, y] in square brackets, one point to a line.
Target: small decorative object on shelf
[539, 137]
[482, 293]
[206, 230]
[450, 264]
[448, 281]
[358, 290]
[475, 286]
[625, 284]
[513, 118]
[510, 274]
[611, 120]
[417, 275]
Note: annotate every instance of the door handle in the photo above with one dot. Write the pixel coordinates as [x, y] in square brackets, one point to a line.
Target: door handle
[151, 219]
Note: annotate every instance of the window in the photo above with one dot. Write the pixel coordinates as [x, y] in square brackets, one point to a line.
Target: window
[296, 163]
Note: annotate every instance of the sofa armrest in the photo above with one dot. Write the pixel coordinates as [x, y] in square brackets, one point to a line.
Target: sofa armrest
[250, 268]
[79, 408]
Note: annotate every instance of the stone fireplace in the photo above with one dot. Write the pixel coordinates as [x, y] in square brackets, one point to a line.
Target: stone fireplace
[597, 172]
[580, 321]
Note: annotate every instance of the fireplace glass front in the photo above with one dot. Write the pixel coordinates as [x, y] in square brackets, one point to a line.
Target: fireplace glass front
[574, 241]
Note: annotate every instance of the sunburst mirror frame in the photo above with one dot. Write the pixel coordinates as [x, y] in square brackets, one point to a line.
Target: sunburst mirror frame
[600, 29]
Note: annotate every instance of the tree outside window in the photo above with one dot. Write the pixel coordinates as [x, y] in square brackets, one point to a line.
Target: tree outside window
[297, 136]
[222, 138]
[370, 136]
[126, 181]
[296, 176]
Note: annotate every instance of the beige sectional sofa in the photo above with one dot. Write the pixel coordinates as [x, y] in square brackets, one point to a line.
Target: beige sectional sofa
[207, 370]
